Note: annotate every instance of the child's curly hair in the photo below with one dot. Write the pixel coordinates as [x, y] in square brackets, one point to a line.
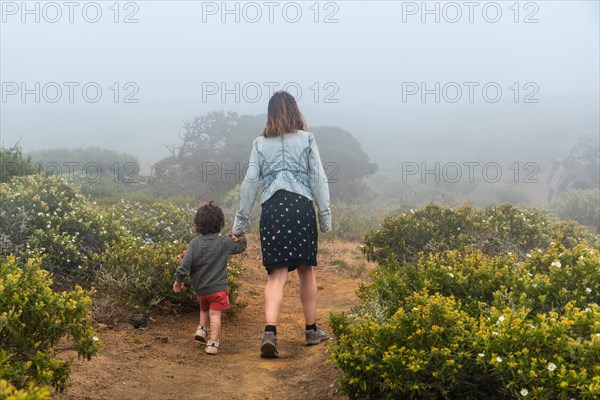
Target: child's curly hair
[209, 219]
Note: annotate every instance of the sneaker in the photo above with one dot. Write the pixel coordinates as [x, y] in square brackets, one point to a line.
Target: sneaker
[212, 348]
[201, 334]
[315, 337]
[268, 347]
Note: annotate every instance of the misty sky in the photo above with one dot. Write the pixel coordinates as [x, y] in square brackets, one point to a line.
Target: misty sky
[179, 52]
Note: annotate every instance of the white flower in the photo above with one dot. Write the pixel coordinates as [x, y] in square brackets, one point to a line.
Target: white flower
[495, 333]
[501, 318]
[587, 309]
[556, 264]
[451, 275]
[481, 355]
[589, 290]
[524, 392]
[95, 338]
[528, 255]
[551, 367]
[499, 359]
[598, 334]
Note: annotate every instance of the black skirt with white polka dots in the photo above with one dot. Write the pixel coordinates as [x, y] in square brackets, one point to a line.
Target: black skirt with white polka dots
[288, 231]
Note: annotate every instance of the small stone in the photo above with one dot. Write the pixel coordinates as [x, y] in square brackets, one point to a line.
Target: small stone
[138, 321]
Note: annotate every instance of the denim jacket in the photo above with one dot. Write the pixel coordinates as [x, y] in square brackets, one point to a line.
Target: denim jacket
[289, 162]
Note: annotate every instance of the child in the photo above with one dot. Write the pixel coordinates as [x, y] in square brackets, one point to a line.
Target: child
[206, 262]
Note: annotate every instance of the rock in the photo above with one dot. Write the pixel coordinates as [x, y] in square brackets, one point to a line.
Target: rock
[163, 339]
[138, 321]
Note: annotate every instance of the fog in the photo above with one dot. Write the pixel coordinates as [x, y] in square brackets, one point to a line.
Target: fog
[413, 81]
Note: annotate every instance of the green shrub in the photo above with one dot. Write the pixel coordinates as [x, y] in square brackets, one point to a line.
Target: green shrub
[104, 188]
[33, 319]
[14, 163]
[495, 231]
[155, 222]
[581, 205]
[46, 217]
[140, 275]
[351, 222]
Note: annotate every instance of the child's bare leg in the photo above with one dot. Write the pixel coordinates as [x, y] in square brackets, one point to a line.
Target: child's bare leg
[215, 324]
[204, 321]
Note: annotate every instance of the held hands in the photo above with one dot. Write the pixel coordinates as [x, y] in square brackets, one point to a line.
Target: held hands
[177, 287]
[235, 237]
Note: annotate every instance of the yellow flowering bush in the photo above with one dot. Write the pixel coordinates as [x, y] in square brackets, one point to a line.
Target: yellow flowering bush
[9, 392]
[543, 355]
[426, 350]
[469, 324]
[33, 319]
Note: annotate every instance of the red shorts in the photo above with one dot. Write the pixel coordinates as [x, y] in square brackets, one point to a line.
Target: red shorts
[218, 301]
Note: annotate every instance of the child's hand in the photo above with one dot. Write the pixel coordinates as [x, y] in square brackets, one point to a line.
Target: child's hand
[234, 237]
[177, 286]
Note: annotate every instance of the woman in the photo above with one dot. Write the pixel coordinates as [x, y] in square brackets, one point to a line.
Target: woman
[286, 157]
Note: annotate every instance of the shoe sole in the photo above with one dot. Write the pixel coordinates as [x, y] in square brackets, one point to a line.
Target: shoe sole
[211, 352]
[312, 342]
[268, 350]
[199, 338]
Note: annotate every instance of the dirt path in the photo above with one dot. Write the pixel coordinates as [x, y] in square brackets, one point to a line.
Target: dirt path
[164, 362]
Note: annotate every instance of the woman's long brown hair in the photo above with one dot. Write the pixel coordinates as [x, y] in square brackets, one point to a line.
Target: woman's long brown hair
[283, 115]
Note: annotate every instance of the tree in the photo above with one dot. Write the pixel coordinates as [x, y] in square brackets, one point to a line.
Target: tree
[215, 148]
[581, 170]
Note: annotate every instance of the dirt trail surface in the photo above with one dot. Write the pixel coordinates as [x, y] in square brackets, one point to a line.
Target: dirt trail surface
[164, 362]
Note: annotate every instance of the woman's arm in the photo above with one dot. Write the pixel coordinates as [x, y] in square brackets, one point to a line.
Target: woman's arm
[319, 185]
[248, 192]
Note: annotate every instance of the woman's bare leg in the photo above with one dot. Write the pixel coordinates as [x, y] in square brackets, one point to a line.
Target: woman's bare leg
[274, 295]
[308, 293]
